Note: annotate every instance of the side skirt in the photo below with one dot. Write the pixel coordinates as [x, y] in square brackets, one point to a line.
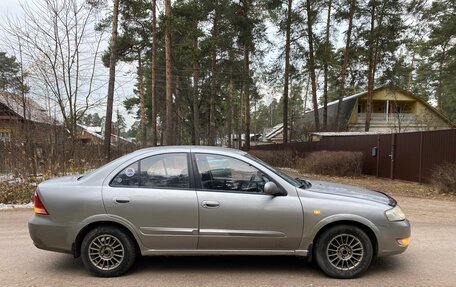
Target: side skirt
[183, 252]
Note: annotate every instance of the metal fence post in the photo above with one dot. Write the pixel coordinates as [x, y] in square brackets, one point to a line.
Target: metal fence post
[378, 156]
[393, 149]
[420, 170]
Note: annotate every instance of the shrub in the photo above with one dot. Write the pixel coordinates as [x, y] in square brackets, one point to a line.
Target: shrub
[444, 177]
[17, 192]
[338, 163]
[278, 158]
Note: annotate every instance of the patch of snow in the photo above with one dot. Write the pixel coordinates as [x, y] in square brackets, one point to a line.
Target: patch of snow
[6, 177]
[15, 206]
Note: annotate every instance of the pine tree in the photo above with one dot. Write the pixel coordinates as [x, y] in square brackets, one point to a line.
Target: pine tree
[382, 40]
[111, 83]
[311, 17]
[169, 132]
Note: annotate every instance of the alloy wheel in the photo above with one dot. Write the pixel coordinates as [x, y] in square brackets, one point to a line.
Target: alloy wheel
[345, 251]
[106, 252]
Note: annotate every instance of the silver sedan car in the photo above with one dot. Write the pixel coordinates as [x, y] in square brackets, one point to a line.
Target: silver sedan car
[193, 200]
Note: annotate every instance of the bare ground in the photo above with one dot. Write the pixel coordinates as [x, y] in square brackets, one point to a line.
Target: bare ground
[429, 261]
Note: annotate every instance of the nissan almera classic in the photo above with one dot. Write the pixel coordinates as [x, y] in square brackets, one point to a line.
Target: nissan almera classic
[193, 200]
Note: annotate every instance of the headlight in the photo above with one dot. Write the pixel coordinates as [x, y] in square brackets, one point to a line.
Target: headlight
[395, 214]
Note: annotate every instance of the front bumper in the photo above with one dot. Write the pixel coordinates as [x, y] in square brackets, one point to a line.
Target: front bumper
[48, 235]
[390, 233]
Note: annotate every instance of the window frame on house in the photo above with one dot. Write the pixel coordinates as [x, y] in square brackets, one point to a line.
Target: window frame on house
[5, 136]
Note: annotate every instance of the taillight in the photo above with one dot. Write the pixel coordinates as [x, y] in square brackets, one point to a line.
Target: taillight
[39, 206]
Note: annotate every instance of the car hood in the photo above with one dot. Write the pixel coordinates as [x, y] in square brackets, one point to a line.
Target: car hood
[350, 191]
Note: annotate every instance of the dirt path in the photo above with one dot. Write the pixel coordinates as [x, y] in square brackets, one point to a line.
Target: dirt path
[430, 260]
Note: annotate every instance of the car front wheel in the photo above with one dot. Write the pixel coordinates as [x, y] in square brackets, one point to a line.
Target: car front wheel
[343, 251]
[107, 251]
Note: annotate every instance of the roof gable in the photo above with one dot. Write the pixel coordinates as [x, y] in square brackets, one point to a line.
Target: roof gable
[348, 105]
[33, 111]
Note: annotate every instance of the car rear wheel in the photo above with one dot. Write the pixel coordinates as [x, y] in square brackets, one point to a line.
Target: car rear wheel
[107, 251]
[343, 251]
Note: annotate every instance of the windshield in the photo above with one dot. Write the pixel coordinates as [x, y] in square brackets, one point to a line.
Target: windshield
[287, 178]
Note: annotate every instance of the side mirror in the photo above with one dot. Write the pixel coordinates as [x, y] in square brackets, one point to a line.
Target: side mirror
[271, 188]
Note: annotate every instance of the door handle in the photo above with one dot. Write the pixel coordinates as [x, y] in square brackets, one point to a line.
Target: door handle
[210, 204]
[121, 199]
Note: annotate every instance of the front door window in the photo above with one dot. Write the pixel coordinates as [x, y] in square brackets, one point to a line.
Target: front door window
[218, 172]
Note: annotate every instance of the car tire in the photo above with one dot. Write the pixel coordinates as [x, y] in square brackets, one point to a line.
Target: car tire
[343, 251]
[108, 251]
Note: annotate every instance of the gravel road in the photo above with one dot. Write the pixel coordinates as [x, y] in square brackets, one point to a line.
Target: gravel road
[429, 261]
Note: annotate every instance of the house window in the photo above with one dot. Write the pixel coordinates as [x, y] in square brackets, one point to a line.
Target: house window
[4, 136]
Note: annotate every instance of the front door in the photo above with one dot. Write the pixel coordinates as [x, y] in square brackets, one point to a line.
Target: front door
[154, 194]
[234, 212]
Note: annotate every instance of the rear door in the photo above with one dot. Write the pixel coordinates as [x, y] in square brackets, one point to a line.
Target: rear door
[234, 212]
[157, 196]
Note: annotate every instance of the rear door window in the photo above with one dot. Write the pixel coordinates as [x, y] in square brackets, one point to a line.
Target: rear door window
[127, 177]
[165, 171]
[159, 171]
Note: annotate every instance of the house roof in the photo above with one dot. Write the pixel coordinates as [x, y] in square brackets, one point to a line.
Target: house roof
[97, 132]
[442, 116]
[346, 108]
[342, 134]
[252, 135]
[90, 130]
[349, 102]
[274, 131]
[15, 105]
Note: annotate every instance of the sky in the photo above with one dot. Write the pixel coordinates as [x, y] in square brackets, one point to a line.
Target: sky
[125, 73]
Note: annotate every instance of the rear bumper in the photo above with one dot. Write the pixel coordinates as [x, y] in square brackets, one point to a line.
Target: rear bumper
[48, 235]
[390, 234]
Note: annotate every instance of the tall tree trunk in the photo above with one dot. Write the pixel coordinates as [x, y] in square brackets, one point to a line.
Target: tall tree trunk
[438, 92]
[111, 83]
[410, 74]
[306, 95]
[169, 138]
[154, 73]
[292, 119]
[176, 115]
[241, 100]
[142, 108]
[372, 57]
[213, 92]
[230, 100]
[287, 71]
[312, 65]
[345, 62]
[196, 124]
[325, 69]
[255, 121]
[247, 95]
[31, 168]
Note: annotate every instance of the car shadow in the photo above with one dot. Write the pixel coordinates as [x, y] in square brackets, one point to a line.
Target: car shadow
[227, 265]
[222, 263]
